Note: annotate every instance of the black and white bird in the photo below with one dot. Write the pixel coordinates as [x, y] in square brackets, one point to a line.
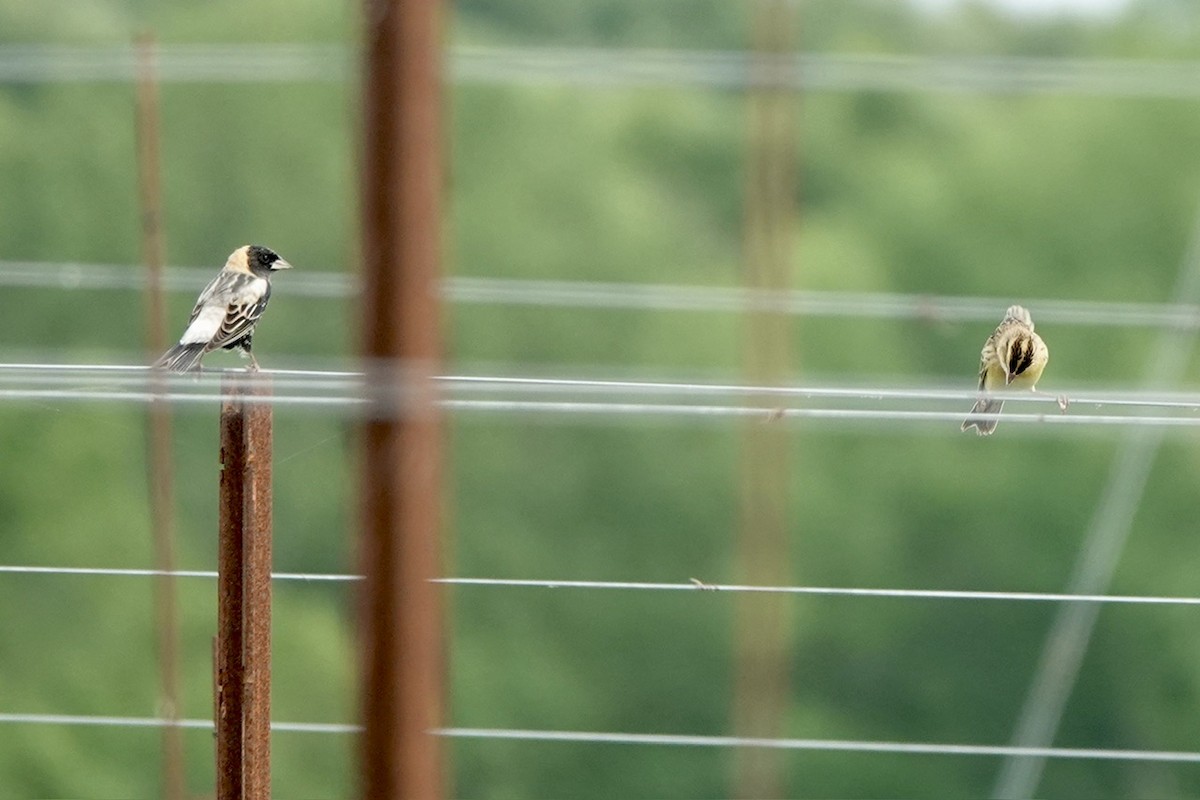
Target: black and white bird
[227, 309]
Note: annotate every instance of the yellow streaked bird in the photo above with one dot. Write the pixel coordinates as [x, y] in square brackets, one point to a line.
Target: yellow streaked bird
[1013, 357]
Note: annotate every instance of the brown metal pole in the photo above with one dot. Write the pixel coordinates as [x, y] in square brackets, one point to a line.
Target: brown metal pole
[256, 598]
[158, 462]
[401, 615]
[763, 637]
[230, 563]
[244, 595]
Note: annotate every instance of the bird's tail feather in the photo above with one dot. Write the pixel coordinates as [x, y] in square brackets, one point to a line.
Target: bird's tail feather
[181, 358]
[984, 405]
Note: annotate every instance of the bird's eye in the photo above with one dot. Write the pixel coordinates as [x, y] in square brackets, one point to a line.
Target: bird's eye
[262, 257]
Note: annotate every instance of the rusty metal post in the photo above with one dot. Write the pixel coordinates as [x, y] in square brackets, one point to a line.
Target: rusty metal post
[400, 490]
[230, 559]
[158, 420]
[256, 602]
[763, 636]
[243, 680]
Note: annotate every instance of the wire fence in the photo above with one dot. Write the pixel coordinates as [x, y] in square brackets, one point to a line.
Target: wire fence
[540, 396]
[640, 297]
[646, 739]
[610, 67]
[382, 390]
[381, 386]
[693, 585]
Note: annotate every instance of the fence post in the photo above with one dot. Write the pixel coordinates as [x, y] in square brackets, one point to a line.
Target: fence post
[400, 485]
[158, 417]
[243, 659]
[763, 636]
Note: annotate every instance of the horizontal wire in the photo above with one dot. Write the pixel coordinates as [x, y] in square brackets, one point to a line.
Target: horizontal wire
[739, 69]
[637, 296]
[620, 67]
[544, 408]
[1180, 400]
[830, 591]
[384, 390]
[111, 379]
[115, 375]
[71, 275]
[834, 745]
[691, 586]
[780, 414]
[644, 739]
[18, 569]
[162, 722]
[927, 308]
[176, 397]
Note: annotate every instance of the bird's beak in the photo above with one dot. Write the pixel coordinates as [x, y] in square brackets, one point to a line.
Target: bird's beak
[280, 264]
[1008, 378]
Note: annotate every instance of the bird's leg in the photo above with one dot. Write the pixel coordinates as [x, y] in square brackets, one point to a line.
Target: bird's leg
[253, 362]
[1064, 402]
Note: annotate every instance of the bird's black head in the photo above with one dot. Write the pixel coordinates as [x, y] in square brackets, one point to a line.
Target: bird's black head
[262, 261]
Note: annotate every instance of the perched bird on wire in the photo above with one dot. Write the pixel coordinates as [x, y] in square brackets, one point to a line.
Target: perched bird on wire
[1013, 357]
[227, 309]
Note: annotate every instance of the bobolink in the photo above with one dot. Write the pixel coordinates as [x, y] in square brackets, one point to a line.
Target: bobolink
[1013, 357]
[227, 309]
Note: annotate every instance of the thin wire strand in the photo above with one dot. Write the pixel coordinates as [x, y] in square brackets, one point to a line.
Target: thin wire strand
[110, 375]
[840, 72]
[830, 591]
[161, 722]
[836, 745]
[79, 276]
[1180, 400]
[691, 586]
[636, 296]
[544, 409]
[78, 382]
[18, 569]
[773, 415]
[644, 739]
[597, 67]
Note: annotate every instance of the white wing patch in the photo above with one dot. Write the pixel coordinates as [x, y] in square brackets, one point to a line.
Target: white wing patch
[204, 326]
[252, 292]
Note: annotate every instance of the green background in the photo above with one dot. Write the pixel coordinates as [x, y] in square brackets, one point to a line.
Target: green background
[1012, 196]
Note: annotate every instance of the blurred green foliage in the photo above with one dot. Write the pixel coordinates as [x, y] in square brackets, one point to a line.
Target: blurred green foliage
[1011, 196]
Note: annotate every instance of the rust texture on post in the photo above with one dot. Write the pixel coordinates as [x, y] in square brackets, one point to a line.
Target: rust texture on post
[158, 419]
[256, 600]
[230, 560]
[243, 652]
[400, 491]
[763, 637]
